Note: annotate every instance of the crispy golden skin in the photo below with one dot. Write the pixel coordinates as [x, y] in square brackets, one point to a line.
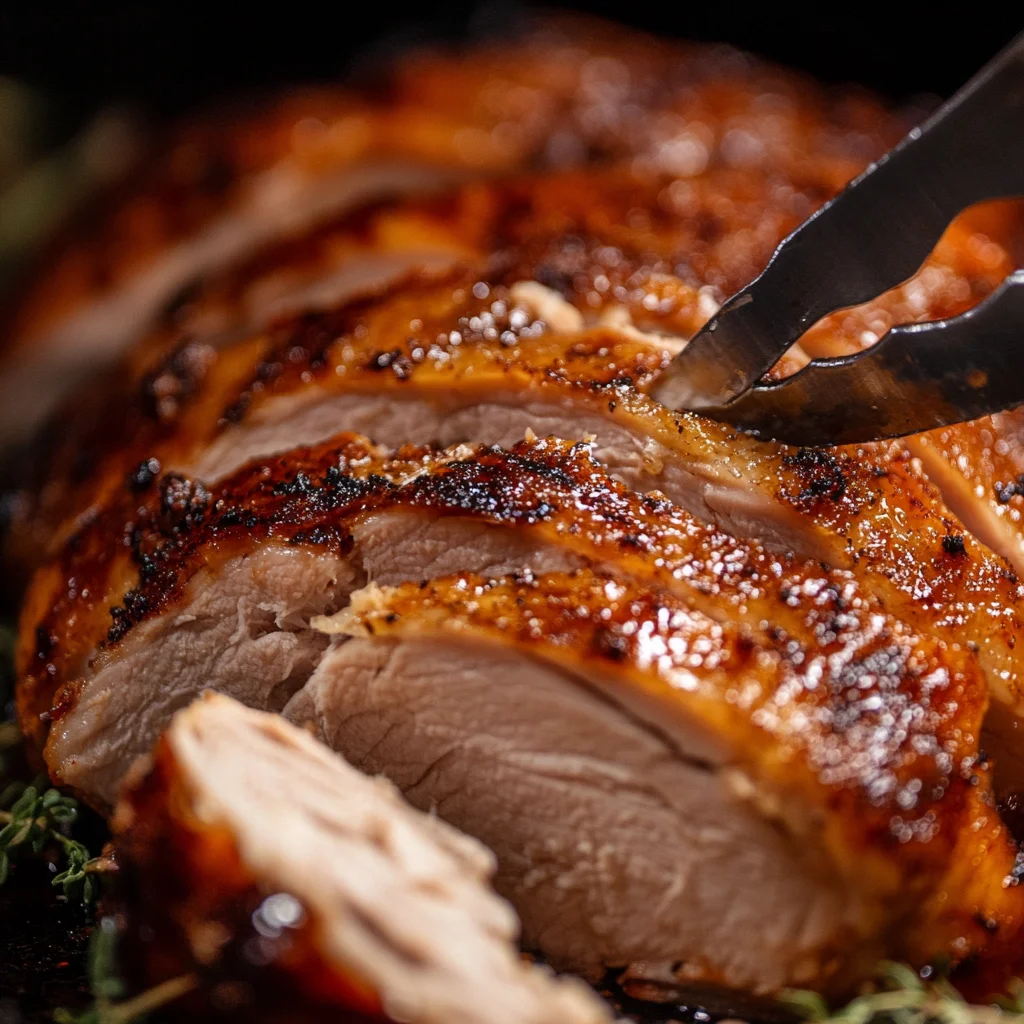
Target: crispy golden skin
[313, 496]
[647, 236]
[716, 158]
[864, 508]
[663, 251]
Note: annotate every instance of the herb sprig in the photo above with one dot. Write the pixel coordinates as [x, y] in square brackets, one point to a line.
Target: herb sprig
[36, 817]
[899, 995]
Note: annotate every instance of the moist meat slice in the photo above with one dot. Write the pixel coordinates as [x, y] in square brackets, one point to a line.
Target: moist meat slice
[249, 845]
[216, 586]
[566, 92]
[659, 790]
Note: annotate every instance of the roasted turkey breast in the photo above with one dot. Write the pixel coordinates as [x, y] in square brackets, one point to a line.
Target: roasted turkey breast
[577, 233]
[217, 584]
[296, 888]
[473, 364]
[727, 712]
[222, 587]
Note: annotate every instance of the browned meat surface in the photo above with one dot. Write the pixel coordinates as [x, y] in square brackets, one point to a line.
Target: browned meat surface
[218, 589]
[980, 468]
[298, 889]
[562, 94]
[217, 585]
[578, 232]
[230, 579]
[433, 361]
[619, 750]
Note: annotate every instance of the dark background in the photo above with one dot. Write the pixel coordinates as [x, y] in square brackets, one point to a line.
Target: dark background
[168, 57]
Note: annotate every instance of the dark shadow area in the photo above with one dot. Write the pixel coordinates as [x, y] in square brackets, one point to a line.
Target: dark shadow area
[171, 56]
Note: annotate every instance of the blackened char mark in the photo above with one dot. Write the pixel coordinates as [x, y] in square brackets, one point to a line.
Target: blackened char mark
[820, 474]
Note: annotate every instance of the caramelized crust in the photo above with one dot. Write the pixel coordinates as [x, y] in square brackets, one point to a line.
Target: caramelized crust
[882, 756]
[866, 508]
[135, 560]
[562, 93]
[313, 497]
[571, 230]
[630, 248]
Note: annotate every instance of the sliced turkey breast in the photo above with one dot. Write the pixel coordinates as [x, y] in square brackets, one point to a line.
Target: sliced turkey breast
[481, 363]
[566, 92]
[657, 789]
[263, 862]
[579, 231]
[194, 587]
[527, 221]
[217, 589]
[460, 359]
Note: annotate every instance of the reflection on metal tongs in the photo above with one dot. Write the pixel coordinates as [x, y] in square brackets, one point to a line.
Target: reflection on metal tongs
[873, 236]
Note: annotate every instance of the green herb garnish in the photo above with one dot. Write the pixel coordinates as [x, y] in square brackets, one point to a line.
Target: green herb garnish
[35, 818]
[899, 995]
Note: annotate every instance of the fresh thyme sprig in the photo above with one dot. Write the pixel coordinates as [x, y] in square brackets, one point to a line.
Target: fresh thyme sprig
[107, 986]
[900, 996]
[35, 817]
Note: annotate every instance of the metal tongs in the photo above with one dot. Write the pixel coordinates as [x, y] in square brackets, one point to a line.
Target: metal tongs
[873, 236]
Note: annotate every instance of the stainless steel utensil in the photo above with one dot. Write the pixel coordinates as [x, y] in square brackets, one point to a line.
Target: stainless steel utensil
[871, 237]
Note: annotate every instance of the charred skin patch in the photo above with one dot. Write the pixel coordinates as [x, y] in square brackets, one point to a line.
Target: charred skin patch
[953, 544]
[820, 474]
[167, 388]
